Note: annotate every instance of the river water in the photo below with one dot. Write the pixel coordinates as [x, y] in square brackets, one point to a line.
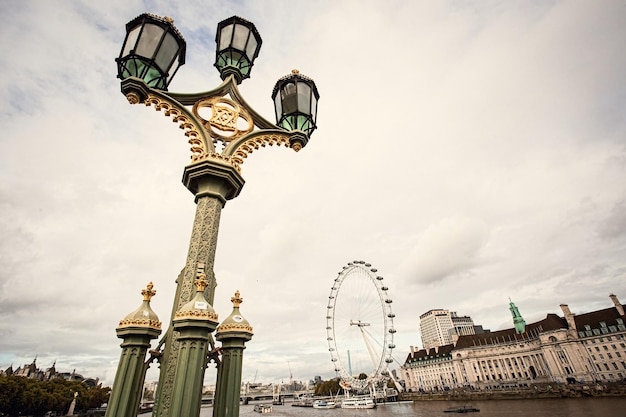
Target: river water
[570, 407]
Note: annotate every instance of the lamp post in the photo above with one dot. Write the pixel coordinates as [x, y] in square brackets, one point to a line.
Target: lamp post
[152, 53]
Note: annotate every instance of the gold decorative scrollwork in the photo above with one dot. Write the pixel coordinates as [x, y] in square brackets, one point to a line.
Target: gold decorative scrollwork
[155, 324]
[223, 123]
[197, 314]
[225, 114]
[242, 151]
[235, 327]
[192, 131]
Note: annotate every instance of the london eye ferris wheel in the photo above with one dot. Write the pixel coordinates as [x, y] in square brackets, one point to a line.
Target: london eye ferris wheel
[359, 326]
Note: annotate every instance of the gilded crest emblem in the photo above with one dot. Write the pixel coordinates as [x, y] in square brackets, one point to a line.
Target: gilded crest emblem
[224, 119]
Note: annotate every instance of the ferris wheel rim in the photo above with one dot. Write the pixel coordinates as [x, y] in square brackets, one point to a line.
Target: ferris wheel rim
[388, 330]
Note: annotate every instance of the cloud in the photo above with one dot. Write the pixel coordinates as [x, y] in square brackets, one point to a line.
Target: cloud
[447, 250]
[614, 225]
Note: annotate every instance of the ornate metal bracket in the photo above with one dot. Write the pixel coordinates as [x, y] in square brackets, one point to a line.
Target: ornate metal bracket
[213, 118]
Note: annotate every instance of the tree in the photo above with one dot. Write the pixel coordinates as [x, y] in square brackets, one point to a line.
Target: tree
[23, 396]
[331, 387]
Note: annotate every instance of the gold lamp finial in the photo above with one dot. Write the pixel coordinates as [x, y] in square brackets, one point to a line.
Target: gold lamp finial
[201, 282]
[236, 300]
[148, 292]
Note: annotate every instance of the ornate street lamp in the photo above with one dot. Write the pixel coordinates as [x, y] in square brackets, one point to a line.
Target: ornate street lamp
[152, 52]
[295, 102]
[238, 45]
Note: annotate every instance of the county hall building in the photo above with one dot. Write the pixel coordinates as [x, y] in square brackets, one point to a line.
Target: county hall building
[583, 348]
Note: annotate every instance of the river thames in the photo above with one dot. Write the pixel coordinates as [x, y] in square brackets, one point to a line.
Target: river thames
[570, 407]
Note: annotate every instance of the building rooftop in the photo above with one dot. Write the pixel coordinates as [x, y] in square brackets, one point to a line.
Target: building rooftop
[551, 322]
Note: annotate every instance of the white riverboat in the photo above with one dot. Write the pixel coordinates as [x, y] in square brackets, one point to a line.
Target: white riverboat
[263, 408]
[324, 404]
[358, 402]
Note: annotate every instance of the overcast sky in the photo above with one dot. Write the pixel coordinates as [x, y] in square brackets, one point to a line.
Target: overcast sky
[471, 151]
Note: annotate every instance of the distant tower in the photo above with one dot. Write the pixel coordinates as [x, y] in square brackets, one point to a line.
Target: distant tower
[441, 327]
[518, 320]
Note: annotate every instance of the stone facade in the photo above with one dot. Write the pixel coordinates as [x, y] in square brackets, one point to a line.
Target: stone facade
[575, 348]
[440, 327]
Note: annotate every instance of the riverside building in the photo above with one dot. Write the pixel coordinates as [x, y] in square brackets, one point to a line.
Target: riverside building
[441, 327]
[583, 348]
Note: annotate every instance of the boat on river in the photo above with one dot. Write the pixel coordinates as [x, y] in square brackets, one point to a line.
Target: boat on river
[462, 409]
[324, 404]
[358, 402]
[263, 408]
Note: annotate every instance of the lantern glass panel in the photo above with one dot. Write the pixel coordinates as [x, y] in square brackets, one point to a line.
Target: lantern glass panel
[240, 38]
[131, 41]
[167, 52]
[149, 40]
[304, 123]
[289, 98]
[278, 106]
[313, 108]
[304, 98]
[137, 68]
[173, 70]
[251, 48]
[225, 37]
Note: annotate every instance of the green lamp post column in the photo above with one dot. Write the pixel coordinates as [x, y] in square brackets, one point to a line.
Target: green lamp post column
[193, 322]
[136, 329]
[222, 131]
[233, 334]
[212, 183]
